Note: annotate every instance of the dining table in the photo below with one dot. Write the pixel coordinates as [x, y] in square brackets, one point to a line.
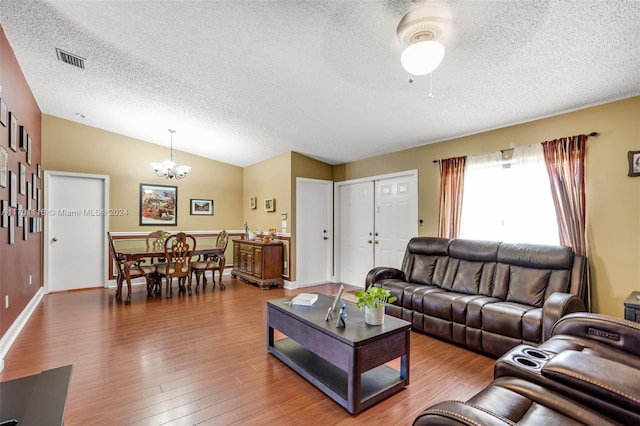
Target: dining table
[130, 255]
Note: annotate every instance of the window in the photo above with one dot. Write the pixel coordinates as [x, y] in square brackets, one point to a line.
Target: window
[509, 200]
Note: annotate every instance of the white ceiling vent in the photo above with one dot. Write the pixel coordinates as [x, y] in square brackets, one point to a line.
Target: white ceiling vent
[70, 58]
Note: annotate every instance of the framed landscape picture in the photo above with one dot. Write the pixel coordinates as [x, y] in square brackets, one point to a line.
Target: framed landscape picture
[201, 207]
[158, 205]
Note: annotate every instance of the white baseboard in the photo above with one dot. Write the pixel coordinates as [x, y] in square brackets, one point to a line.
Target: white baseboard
[17, 326]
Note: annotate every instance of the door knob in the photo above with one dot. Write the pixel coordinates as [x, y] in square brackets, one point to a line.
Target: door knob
[325, 238]
[369, 241]
[54, 239]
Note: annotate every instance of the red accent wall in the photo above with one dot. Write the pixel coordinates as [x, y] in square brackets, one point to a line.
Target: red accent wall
[24, 257]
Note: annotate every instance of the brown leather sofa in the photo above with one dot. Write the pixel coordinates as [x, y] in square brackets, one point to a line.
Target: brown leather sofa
[588, 372]
[486, 295]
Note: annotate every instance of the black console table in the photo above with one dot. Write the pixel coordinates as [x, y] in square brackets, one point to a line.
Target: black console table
[36, 400]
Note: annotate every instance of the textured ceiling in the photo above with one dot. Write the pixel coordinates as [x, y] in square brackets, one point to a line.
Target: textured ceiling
[243, 81]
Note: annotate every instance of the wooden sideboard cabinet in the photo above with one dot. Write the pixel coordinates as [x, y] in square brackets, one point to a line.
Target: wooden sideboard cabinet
[258, 262]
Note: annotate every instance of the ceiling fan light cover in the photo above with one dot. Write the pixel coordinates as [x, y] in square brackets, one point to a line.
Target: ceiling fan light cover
[422, 57]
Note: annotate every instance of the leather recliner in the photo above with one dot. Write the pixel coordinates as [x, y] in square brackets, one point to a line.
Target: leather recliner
[587, 372]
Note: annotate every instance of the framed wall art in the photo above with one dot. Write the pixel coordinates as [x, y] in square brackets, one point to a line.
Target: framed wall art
[634, 163]
[13, 189]
[13, 132]
[20, 216]
[158, 205]
[252, 203]
[12, 230]
[23, 138]
[270, 205]
[28, 150]
[3, 113]
[5, 213]
[23, 179]
[201, 207]
[4, 167]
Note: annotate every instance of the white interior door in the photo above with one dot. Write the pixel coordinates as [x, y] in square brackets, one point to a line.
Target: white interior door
[355, 232]
[314, 231]
[76, 224]
[376, 218]
[396, 218]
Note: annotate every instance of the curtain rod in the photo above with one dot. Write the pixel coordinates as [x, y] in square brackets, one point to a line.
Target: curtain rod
[592, 134]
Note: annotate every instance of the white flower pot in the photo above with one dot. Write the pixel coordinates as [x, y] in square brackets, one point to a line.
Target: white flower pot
[374, 316]
[252, 236]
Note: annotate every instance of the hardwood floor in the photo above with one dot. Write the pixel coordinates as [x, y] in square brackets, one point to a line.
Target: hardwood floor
[203, 360]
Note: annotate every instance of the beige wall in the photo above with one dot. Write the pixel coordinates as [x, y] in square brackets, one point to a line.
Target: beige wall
[268, 179]
[73, 147]
[613, 199]
[276, 178]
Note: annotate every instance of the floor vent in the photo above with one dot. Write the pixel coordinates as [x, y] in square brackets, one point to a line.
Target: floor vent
[70, 58]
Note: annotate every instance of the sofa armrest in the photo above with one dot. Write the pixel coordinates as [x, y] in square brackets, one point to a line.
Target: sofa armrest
[557, 306]
[615, 332]
[381, 273]
[608, 380]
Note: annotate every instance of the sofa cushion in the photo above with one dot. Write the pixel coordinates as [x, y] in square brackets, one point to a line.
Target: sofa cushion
[424, 250]
[467, 278]
[527, 285]
[422, 269]
[504, 318]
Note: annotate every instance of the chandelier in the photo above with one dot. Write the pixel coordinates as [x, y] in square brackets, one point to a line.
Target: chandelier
[167, 169]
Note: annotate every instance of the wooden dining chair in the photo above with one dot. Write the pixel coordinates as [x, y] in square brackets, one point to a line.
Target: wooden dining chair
[211, 262]
[137, 269]
[155, 241]
[178, 250]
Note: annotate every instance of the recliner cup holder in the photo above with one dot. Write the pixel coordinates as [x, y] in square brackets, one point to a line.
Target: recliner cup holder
[535, 353]
[526, 362]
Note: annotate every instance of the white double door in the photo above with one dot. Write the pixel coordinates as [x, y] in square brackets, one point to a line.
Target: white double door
[376, 218]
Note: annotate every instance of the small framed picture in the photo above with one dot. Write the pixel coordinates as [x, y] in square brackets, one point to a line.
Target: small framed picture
[270, 205]
[201, 207]
[29, 196]
[23, 179]
[23, 138]
[13, 189]
[28, 150]
[252, 203]
[3, 113]
[13, 132]
[20, 216]
[4, 166]
[634, 163]
[5, 213]
[12, 230]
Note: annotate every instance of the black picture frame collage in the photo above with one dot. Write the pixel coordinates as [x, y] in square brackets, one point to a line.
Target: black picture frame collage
[21, 202]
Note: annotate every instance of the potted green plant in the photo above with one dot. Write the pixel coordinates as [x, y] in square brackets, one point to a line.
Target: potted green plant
[373, 300]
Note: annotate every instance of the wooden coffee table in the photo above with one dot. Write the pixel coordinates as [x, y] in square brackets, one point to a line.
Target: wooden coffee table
[347, 364]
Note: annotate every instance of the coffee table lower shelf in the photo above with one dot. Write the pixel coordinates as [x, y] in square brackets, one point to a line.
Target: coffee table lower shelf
[376, 384]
